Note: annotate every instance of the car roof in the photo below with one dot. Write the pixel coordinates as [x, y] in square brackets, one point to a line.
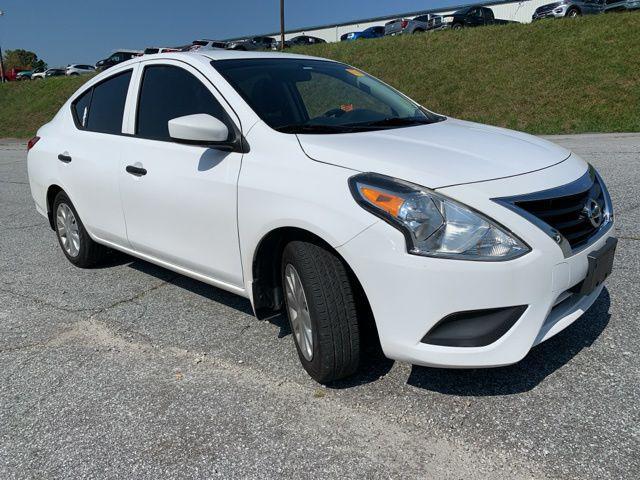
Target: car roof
[220, 54]
[202, 57]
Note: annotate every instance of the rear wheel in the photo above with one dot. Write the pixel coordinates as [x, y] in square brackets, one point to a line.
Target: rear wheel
[321, 308]
[76, 244]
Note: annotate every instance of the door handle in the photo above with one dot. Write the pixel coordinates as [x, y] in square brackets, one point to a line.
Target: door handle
[137, 171]
[64, 158]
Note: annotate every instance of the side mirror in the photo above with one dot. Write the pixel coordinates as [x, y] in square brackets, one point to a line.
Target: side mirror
[200, 129]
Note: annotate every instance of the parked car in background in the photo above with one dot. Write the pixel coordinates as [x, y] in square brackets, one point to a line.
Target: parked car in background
[371, 32]
[419, 24]
[253, 43]
[576, 8]
[116, 58]
[615, 6]
[299, 40]
[472, 17]
[79, 69]
[55, 72]
[320, 193]
[154, 50]
[13, 74]
[633, 4]
[568, 8]
[24, 75]
[198, 44]
[38, 74]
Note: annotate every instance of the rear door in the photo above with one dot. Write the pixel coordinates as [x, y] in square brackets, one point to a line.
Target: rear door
[182, 210]
[89, 156]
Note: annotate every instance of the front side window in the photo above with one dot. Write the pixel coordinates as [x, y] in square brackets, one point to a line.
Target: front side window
[316, 96]
[169, 92]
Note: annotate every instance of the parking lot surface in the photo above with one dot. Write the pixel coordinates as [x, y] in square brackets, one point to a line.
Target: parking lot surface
[132, 371]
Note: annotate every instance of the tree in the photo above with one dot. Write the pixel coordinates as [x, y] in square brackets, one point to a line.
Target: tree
[22, 59]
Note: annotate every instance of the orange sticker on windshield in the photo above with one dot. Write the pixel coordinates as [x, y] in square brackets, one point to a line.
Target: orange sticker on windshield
[346, 107]
[355, 72]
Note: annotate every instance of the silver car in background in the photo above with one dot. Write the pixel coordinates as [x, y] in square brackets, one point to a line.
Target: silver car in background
[79, 69]
[419, 24]
[575, 8]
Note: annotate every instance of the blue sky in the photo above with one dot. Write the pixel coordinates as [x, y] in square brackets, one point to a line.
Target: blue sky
[84, 31]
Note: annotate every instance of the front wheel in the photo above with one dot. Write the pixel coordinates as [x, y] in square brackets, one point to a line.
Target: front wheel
[321, 308]
[573, 12]
[457, 26]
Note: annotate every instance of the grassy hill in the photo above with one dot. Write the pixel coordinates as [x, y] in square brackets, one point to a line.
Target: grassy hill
[562, 76]
[25, 106]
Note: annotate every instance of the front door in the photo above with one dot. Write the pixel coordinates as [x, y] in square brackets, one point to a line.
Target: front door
[179, 200]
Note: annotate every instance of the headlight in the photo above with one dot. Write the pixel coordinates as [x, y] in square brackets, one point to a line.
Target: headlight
[434, 225]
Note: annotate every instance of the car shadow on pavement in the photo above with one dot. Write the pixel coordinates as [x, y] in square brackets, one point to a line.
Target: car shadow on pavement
[542, 360]
[195, 286]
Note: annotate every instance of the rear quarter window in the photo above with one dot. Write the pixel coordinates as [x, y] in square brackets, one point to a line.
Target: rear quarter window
[81, 108]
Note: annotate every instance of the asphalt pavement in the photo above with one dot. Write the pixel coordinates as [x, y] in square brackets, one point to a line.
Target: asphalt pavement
[132, 371]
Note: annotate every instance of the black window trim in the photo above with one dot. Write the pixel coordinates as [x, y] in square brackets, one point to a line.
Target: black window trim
[236, 131]
[76, 121]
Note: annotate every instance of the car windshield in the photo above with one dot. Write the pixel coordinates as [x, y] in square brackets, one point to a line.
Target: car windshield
[316, 96]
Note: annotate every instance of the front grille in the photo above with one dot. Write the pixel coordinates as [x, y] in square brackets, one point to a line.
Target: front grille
[569, 214]
[547, 8]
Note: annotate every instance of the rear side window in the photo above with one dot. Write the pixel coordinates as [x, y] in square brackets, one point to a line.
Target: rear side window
[168, 92]
[107, 104]
[101, 108]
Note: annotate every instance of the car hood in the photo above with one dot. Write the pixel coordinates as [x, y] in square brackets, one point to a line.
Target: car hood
[436, 155]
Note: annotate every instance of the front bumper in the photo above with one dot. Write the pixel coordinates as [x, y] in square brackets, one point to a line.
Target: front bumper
[555, 13]
[410, 294]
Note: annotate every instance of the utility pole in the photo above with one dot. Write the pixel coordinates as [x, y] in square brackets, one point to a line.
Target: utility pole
[1, 59]
[281, 24]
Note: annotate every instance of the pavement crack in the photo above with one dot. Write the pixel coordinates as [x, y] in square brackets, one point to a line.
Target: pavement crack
[23, 227]
[40, 301]
[132, 298]
[14, 183]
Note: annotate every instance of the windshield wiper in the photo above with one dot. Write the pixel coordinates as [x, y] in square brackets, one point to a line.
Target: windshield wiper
[310, 128]
[392, 122]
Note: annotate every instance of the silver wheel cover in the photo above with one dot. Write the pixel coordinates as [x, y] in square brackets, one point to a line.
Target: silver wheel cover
[298, 312]
[67, 228]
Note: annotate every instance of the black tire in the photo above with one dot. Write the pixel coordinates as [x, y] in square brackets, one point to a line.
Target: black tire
[89, 253]
[418, 30]
[330, 296]
[572, 13]
[457, 26]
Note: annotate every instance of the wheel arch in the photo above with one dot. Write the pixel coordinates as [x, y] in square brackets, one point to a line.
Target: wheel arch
[266, 284]
[52, 192]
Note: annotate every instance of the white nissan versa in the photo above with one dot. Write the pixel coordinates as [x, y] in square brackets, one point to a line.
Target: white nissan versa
[310, 187]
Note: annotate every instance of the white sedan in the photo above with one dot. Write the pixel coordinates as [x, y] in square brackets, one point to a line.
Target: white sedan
[314, 189]
[79, 69]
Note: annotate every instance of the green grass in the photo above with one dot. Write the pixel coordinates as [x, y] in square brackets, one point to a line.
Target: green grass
[26, 105]
[560, 76]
